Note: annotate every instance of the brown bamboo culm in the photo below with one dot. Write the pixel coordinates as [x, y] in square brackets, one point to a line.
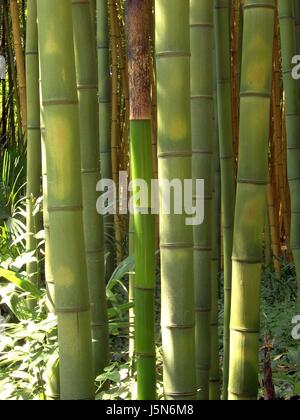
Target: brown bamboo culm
[20, 60]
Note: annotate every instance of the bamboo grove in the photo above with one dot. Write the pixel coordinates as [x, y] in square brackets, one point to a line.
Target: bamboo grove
[151, 90]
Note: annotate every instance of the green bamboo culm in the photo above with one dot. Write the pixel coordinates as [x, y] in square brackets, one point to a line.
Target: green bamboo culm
[86, 70]
[65, 198]
[52, 389]
[131, 297]
[48, 266]
[175, 162]
[297, 25]
[222, 44]
[217, 174]
[214, 373]
[34, 170]
[267, 242]
[292, 117]
[93, 13]
[201, 30]
[104, 101]
[138, 31]
[255, 99]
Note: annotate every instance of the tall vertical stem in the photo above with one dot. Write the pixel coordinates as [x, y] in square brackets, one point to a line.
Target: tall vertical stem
[33, 136]
[104, 99]
[115, 128]
[65, 198]
[201, 30]
[174, 162]
[86, 70]
[12, 72]
[138, 31]
[222, 31]
[20, 60]
[255, 105]
[292, 119]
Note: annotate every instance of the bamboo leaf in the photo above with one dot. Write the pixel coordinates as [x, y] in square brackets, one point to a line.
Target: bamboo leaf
[20, 282]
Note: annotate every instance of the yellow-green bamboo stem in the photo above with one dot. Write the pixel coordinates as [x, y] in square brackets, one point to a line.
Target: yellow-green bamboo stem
[104, 99]
[255, 105]
[235, 74]
[222, 33]
[297, 24]
[52, 374]
[131, 290]
[214, 372]
[65, 198]
[33, 138]
[292, 118]
[48, 266]
[174, 162]
[201, 30]
[86, 71]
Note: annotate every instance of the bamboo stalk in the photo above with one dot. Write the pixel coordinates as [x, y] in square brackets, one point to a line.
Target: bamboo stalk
[104, 98]
[125, 90]
[285, 190]
[292, 118]
[131, 294]
[20, 60]
[86, 70]
[138, 24]
[214, 372]
[222, 28]
[115, 129]
[33, 139]
[48, 266]
[201, 24]
[154, 118]
[297, 25]
[4, 93]
[124, 107]
[273, 220]
[65, 198]
[52, 374]
[174, 161]
[267, 241]
[255, 102]
[235, 76]
[12, 72]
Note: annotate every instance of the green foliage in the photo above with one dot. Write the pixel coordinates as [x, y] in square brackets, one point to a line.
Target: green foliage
[123, 383]
[278, 310]
[28, 338]
[12, 201]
